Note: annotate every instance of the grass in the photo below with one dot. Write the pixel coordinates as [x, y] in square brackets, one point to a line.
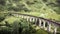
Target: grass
[11, 19]
[47, 14]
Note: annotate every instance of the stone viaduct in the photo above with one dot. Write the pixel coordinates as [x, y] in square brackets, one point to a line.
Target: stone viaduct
[46, 24]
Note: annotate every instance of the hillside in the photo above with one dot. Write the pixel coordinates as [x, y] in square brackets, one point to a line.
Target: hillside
[48, 9]
[42, 8]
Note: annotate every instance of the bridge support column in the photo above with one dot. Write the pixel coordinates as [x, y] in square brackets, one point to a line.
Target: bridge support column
[27, 18]
[49, 27]
[43, 24]
[22, 16]
[35, 21]
[55, 30]
[30, 19]
[39, 22]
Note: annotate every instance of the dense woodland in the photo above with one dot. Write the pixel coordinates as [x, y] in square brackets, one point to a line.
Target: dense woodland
[49, 9]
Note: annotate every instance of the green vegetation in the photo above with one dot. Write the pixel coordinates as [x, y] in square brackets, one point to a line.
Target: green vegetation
[49, 9]
[42, 8]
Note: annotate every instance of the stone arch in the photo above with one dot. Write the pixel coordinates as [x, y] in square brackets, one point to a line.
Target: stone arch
[46, 24]
[41, 23]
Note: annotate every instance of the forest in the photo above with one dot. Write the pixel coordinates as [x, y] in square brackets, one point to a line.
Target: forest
[49, 9]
